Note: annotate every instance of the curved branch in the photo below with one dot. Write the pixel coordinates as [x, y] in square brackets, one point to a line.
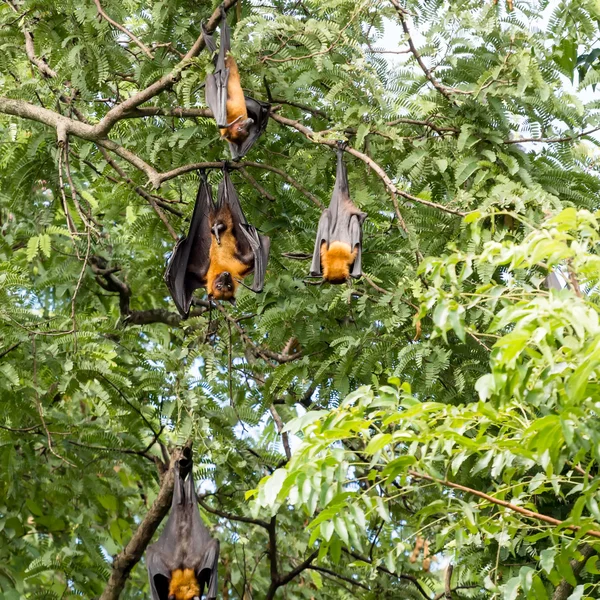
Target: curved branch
[443, 89]
[513, 507]
[128, 33]
[229, 516]
[392, 189]
[167, 175]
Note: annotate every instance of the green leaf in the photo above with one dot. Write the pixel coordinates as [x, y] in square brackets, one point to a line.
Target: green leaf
[32, 248]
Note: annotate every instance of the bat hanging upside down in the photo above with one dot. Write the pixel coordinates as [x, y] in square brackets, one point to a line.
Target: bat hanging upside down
[221, 248]
[238, 122]
[184, 560]
[338, 247]
[227, 265]
[241, 119]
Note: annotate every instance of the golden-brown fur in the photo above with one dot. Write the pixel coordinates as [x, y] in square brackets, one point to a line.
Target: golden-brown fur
[223, 259]
[183, 584]
[237, 115]
[336, 261]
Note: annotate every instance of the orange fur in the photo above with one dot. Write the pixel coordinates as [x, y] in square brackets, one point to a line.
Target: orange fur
[183, 584]
[222, 258]
[236, 105]
[336, 261]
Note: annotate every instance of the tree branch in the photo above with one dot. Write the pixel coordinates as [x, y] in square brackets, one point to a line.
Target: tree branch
[513, 507]
[231, 517]
[128, 33]
[568, 138]
[443, 89]
[564, 588]
[393, 190]
[383, 569]
[297, 570]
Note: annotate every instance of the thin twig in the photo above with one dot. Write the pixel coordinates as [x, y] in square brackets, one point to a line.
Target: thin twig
[124, 30]
[513, 507]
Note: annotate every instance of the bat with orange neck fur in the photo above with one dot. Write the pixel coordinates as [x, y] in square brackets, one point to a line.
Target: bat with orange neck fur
[241, 119]
[338, 247]
[220, 250]
[183, 563]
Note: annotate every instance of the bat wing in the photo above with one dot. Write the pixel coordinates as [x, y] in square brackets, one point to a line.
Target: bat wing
[216, 83]
[346, 220]
[189, 262]
[252, 247]
[552, 282]
[227, 195]
[322, 236]
[260, 246]
[159, 573]
[356, 242]
[259, 113]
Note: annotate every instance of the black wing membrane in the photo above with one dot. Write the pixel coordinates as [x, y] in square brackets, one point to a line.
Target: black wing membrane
[341, 222]
[258, 111]
[185, 542]
[216, 93]
[251, 245]
[190, 260]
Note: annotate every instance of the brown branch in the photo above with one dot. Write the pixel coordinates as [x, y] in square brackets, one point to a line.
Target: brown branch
[264, 353]
[428, 123]
[141, 192]
[280, 430]
[231, 517]
[392, 189]
[124, 562]
[259, 188]
[141, 453]
[128, 33]
[40, 63]
[564, 588]
[339, 576]
[311, 109]
[297, 570]
[569, 138]
[106, 279]
[167, 175]
[513, 507]
[383, 569]
[9, 349]
[156, 111]
[443, 89]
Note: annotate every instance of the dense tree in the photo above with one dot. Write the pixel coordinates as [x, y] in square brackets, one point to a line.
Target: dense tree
[427, 431]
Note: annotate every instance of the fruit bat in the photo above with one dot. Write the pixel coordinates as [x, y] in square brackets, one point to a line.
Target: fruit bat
[338, 247]
[220, 249]
[184, 561]
[241, 119]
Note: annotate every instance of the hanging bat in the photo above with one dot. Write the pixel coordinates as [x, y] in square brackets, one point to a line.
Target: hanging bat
[241, 119]
[221, 248]
[184, 561]
[338, 247]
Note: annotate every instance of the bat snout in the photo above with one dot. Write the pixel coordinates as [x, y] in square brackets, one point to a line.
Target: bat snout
[223, 287]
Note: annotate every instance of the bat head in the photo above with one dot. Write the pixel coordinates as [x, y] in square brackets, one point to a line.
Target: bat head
[223, 287]
[238, 131]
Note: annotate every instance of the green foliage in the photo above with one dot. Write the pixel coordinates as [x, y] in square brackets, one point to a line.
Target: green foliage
[450, 361]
